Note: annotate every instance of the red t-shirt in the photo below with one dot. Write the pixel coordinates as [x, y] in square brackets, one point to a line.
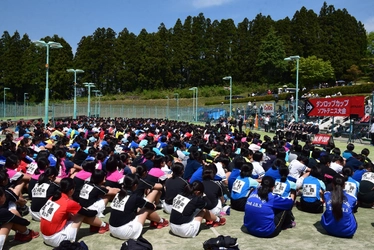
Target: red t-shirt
[55, 214]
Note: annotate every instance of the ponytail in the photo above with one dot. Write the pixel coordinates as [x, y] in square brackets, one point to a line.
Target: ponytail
[337, 196]
[141, 170]
[283, 171]
[189, 189]
[60, 153]
[267, 184]
[44, 177]
[43, 163]
[129, 182]
[66, 184]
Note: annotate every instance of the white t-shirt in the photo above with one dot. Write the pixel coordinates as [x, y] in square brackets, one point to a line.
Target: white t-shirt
[258, 169]
[296, 169]
[336, 167]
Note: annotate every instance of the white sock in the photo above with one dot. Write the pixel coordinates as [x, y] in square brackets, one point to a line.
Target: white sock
[103, 224]
[218, 219]
[26, 232]
[161, 220]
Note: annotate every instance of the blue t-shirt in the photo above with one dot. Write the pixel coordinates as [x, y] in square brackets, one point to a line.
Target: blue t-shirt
[191, 167]
[311, 189]
[234, 174]
[352, 187]
[347, 225]
[242, 187]
[284, 188]
[273, 173]
[262, 224]
[357, 175]
[198, 176]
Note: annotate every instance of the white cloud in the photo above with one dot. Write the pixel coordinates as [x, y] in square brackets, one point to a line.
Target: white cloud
[369, 24]
[209, 3]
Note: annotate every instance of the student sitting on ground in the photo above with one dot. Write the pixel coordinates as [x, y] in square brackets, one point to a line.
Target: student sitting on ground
[189, 211]
[338, 219]
[266, 213]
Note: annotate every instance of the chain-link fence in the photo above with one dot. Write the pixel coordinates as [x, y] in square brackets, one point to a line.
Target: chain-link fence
[16, 111]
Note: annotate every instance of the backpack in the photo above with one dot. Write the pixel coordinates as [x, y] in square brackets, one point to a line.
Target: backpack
[221, 242]
[139, 244]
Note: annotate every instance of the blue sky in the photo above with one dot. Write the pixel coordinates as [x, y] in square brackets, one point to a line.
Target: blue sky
[73, 19]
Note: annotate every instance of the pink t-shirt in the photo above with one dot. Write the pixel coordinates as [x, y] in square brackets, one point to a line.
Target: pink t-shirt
[62, 173]
[114, 176]
[156, 172]
[83, 175]
[36, 176]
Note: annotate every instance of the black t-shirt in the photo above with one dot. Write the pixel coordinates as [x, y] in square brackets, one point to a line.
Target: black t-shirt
[184, 208]
[174, 186]
[9, 196]
[7, 216]
[125, 210]
[79, 157]
[143, 185]
[90, 193]
[31, 186]
[41, 193]
[213, 191]
[78, 186]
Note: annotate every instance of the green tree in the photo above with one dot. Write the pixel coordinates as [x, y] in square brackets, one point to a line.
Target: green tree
[270, 58]
[313, 70]
[354, 72]
[370, 43]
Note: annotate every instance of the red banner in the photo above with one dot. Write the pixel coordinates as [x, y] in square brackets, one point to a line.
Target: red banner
[358, 105]
[338, 106]
[321, 139]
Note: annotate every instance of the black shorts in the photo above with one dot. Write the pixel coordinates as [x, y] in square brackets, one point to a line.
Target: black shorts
[311, 207]
[239, 204]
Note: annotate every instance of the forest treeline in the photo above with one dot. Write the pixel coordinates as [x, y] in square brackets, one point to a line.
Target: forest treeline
[195, 52]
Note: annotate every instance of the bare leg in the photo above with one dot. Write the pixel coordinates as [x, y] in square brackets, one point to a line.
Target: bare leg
[152, 196]
[93, 221]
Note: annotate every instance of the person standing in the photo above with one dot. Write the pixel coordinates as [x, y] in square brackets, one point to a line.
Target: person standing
[372, 132]
[240, 123]
[266, 123]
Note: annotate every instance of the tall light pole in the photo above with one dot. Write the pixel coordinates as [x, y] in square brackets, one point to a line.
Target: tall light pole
[177, 97]
[296, 58]
[229, 78]
[5, 89]
[98, 112]
[193, 101]
[48, 45]
[89, 85]
[96, 94]
[167, 111]
[24, 103]
[75, 71]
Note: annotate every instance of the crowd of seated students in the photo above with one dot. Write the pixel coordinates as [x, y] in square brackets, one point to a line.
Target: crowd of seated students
[72, 172]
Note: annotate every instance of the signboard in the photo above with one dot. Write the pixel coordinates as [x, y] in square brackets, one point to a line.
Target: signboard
[322, 139]
[268, 107]
[339, 106]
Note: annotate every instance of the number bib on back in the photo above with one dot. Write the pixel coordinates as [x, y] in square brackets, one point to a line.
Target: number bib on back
[350, 188]
[85, 191]
[48, 210]
[310, 190]
[237, 186]
[368, 177]
[179, 203]
[40, 191]
[119, 204]
[279, 188]
[31, 168]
